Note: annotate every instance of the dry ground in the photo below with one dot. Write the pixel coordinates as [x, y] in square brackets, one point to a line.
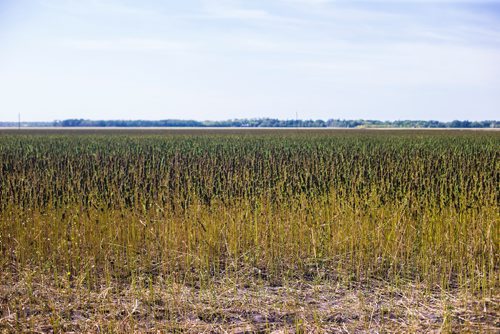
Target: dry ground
[36, 304]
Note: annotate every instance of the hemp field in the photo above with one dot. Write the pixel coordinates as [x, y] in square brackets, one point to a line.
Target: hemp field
[241, 231]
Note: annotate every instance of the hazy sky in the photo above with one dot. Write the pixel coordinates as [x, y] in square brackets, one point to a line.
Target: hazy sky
[223, 59]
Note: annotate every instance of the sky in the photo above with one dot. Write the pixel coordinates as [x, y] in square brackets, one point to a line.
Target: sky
[227, 59]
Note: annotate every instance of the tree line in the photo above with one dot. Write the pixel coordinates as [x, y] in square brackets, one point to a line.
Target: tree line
[277, 123]
[261, 123]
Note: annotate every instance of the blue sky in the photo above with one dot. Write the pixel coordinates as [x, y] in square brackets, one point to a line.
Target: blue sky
[224, 59]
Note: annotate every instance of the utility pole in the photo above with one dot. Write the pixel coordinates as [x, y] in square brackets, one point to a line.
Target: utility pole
[19, 121]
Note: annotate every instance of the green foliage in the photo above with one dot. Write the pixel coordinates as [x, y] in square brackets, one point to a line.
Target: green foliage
[276, 123]
[259, 123]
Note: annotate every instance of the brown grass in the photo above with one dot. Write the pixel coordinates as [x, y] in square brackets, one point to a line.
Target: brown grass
[35, 304]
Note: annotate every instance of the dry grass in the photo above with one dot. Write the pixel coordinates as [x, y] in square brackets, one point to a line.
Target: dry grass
[34, 304]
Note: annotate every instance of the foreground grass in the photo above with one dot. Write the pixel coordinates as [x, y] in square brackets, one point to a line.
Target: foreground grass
[249, 231]
[33, 303]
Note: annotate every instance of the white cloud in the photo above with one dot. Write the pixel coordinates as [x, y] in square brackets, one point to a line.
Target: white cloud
[241, 11]
[129, 44]
[116, 7]
[408, 64]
